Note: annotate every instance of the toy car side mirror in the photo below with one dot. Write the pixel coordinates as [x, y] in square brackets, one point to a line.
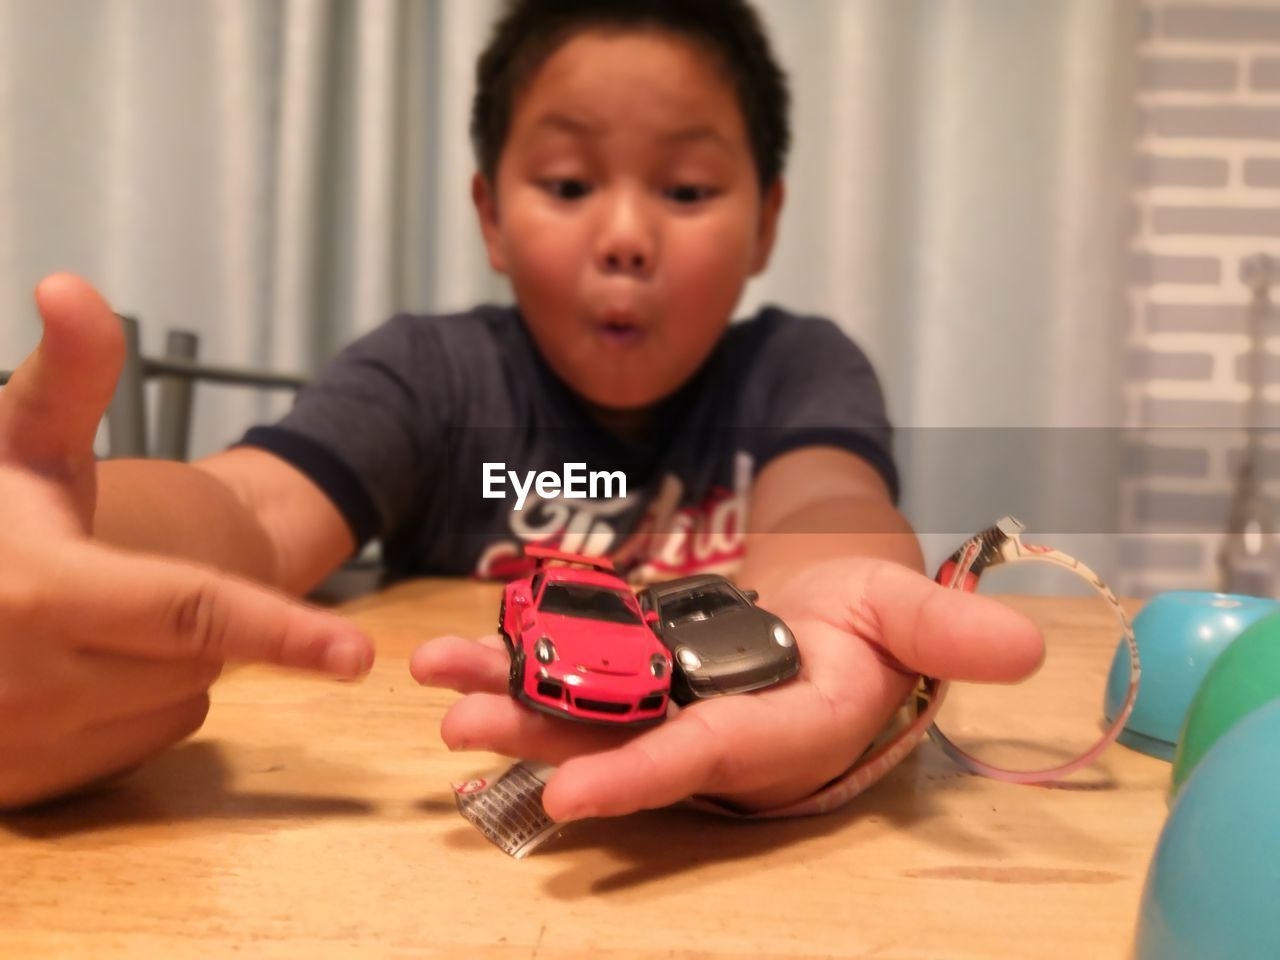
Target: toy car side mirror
[651, 617]
[751, 595]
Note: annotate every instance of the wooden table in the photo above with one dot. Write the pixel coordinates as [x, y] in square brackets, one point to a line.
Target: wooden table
[315, 819]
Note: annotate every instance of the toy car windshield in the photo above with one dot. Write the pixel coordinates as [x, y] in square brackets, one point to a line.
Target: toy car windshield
[701, 603]
[595, 603]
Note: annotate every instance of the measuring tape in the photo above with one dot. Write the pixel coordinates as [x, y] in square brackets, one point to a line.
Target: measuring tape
[992, 547]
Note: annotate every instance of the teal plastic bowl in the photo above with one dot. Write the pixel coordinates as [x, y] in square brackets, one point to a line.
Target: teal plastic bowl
[1180, 635]
[1214, 880]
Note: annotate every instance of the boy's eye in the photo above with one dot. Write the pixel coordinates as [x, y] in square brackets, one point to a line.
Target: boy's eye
[567, 189]
[689, 193]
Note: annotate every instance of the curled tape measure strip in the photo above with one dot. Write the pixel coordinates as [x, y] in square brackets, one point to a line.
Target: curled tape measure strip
[961, 571]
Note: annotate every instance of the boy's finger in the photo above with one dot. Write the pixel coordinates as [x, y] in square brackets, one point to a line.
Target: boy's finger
[116, 688]
[765, 748]
[72, 692]
[948, 633]
[104, 750]
[50, 409]
[497, 723]
[169, 610]
[665, 765]
[468, 666]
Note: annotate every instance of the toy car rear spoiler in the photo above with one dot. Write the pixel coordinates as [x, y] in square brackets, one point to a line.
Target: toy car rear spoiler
[544, 554]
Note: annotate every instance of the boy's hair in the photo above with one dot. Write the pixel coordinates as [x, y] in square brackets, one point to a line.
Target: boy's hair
[530, 31]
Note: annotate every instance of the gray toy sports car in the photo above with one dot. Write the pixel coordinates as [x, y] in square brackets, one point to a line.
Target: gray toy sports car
[721, 641]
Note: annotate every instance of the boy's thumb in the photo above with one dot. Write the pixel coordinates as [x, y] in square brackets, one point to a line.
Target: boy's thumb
[951, 634]
[50, 410]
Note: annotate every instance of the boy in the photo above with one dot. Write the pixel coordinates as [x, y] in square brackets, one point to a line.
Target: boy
[630, 159]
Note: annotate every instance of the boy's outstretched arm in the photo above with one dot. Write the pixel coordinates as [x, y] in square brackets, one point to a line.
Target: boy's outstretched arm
[126, 588]
[816, 504]
[866, 620]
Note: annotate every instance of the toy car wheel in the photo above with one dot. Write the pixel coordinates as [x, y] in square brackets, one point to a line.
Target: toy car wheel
[502, 632]
[515, 679]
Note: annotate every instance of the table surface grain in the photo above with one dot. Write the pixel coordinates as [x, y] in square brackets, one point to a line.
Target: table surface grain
[312, 818]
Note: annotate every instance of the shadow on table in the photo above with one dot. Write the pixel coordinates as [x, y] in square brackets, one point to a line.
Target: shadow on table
[191, 782]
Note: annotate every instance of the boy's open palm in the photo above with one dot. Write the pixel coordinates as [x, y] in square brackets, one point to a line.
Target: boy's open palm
[106, 656]
[865, 628]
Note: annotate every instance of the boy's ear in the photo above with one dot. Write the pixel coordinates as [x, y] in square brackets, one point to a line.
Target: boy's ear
[770, 210]
[485, 198]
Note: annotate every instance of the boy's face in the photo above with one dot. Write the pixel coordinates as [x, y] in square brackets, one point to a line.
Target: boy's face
[627, 212]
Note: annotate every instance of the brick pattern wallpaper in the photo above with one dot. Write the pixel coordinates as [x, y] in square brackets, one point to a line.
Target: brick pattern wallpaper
[1206, 174]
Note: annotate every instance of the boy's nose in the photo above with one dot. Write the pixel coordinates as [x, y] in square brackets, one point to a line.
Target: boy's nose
[633, 263]
[625, 245]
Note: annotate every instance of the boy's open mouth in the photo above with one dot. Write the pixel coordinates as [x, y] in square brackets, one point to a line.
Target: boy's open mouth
[620, 333]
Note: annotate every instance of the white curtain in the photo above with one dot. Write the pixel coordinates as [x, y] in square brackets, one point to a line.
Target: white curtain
[281, 175]
[958, 201]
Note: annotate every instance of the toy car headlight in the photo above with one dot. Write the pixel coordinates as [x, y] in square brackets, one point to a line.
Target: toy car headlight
[544, 650]
[688, 659]
[658, 665]
[782, 636]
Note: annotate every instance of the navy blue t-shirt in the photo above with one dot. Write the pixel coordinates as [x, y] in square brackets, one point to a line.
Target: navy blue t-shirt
[398, 428]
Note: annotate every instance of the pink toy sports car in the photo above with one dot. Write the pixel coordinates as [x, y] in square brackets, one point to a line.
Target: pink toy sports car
[579, 646]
